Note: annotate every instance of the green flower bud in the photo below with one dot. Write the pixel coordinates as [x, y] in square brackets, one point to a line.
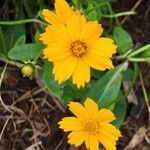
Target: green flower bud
[28, 70]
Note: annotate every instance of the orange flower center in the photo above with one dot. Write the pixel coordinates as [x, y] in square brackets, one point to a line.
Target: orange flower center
[91, 126]
[78, 48]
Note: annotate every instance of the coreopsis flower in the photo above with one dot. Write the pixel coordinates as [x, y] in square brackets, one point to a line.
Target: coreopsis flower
[90, 126]
[74, 45]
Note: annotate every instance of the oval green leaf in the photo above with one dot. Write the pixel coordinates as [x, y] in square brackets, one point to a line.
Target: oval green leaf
[105, 90]
[123, 40]
[26, 52]
[119, 111]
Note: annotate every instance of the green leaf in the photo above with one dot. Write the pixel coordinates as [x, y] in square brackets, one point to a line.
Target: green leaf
[93, 14]
[71, 92]
[97, 74]
[105, 90]
[128, 75]
[119, 110]
[21, 41]
[25, 52]
[54, 88]
[146, 54]
[66, 91]
[123, 40]
[12, 33]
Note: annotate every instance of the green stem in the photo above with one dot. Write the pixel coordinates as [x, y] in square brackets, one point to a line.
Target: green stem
[144, 93]
[133, 81]
[140, 50]
[128, 13]
[139, 59]
[9, 23]
[3, 42]
[143, 86]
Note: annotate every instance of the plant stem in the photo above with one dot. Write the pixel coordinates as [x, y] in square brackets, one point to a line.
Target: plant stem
[10, 62]
[9, 23]
[142, 49]
[3, 42]
[144, 93]
[133, 80]
[139, 59]
[127, 13]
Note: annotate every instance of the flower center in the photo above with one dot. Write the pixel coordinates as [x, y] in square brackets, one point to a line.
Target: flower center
[78, 48]
[91, 126]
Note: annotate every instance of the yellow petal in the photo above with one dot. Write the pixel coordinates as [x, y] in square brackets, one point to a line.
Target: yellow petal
[50, 17]
[63, 10]
[104, 47]
[108, 144]
[70, 124]
[97, 61]
[91, 107]
[105, 115]
[76, 137]
[56, 52]
[75, 24]
[108, 135]
[64, 69]
[60, 33]
[87, 141]
[47, 36]
[91, 31]
[110, 131]
[81, 74]
[77, 109]
[94, 142]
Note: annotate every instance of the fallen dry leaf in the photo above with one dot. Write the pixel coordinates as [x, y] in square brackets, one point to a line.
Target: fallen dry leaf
[137, 138]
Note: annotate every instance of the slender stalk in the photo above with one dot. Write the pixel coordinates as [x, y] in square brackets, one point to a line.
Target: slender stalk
[133, 80]
[9, 23]
[144, 93]
[140, 50]
[139, 59]
[127, 13]
[3, 42]
[10, 62]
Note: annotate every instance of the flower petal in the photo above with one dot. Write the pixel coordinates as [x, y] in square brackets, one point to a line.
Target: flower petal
[108, 135]
[87, 141]
[81, 74]
[76, 137]
[91, 31]
[64, 69]
[47, 36]
[70, 124]
[56, 52]
[91, 107]
[63, 10]
[97, 61]
[109, 131]
[77, 109]
[104, 47]
[105, 115]
[75, 24]
[50, 17]
[60, 33]
[94, 142]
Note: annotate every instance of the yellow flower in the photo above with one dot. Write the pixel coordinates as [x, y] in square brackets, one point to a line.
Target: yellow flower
[91, 126]
[74, 46]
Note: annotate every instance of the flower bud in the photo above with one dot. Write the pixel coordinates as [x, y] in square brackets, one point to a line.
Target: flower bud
[28, 70]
